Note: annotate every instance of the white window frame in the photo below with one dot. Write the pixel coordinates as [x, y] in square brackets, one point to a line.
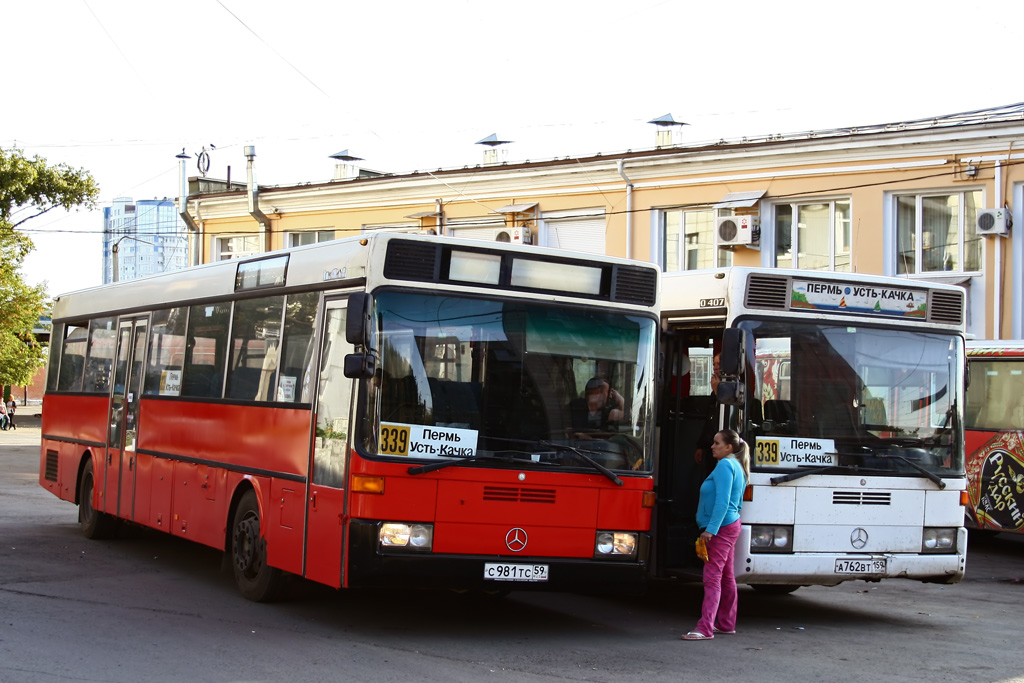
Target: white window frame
[576, 224]
[770, 237]
[722, 259]
[221, 242]
[892, 253]
[318, 232]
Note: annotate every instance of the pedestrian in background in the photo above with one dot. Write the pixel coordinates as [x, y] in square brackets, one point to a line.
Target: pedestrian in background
[12, 407]
[718, 515]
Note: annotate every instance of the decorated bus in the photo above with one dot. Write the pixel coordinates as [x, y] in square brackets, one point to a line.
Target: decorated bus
[995, 435]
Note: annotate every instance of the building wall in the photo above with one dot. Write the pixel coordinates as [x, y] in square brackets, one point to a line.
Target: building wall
[868, 170]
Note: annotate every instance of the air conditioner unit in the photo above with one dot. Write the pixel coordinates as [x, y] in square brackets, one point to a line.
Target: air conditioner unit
[993, 222]
[737, 230]
[513, 234]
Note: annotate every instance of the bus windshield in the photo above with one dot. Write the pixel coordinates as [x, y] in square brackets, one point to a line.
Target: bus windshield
[534, 384]
[855, 398]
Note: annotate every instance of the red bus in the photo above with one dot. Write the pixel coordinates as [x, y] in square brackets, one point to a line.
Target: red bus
[388, 408]
[994, 419]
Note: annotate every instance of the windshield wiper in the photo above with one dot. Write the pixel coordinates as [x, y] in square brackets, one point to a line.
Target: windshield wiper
[803, 473]
[462, 460]
[900, 442]
[585, 458]
[931, 476]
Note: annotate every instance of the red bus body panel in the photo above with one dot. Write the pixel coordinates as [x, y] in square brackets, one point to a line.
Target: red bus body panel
[193, 456]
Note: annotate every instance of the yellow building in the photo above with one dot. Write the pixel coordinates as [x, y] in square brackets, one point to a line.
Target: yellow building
[929, 199]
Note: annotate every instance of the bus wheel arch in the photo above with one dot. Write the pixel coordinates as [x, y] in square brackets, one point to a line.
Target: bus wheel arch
[247, 548]
[95, 524]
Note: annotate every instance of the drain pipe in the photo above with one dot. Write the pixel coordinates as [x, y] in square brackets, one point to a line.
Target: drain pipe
[254, 202]
[190, 224]
[997, 299]
[629, 208]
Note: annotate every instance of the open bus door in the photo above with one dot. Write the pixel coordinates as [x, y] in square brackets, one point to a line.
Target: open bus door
[123, 419]
[689, 415]
[325, 527]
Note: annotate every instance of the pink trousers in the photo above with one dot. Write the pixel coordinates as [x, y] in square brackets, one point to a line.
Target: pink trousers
[719, 608]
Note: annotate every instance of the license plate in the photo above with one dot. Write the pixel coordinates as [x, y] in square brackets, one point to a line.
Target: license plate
[860, 566]
[508, 571]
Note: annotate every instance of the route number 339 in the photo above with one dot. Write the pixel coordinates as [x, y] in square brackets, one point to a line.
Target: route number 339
[767, 452]
[394, 440]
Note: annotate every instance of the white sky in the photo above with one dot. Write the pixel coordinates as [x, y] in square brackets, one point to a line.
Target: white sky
[119, 87]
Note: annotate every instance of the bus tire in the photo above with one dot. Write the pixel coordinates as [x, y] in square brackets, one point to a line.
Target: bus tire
[773, 588]
[95, 524]
[256, 580]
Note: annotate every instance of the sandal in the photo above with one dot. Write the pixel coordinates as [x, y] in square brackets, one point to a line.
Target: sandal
[695, 635]
[727, 633]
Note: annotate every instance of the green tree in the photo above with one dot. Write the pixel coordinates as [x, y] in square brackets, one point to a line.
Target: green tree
[29, 188]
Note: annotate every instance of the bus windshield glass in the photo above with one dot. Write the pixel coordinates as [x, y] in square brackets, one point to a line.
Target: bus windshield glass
[535, 385]
[854, 398]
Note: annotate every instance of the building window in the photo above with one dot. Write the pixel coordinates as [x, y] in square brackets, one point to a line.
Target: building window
[298, 239]
[821, 240]
[936, 232]
[690, 240]
[237, 247]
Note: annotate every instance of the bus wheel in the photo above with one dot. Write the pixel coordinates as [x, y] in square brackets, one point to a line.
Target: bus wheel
[773, 588]
[256, 580]
[95, 524]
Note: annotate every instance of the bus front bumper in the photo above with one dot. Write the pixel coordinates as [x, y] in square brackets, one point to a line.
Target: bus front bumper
[829, 569]
[368, 567]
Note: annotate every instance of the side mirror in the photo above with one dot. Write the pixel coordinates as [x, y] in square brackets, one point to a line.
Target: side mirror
[733, 346]
[357, 322]
[730, 393]
[360, 366]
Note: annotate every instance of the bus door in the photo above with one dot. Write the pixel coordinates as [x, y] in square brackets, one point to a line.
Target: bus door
[325, 526]
[122, 430]
[689, 416]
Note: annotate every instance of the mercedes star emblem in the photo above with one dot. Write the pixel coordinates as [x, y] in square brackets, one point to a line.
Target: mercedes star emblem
[515, 539]
[859, 538]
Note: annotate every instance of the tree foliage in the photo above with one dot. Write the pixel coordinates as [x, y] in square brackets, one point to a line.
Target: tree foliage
[29, 188]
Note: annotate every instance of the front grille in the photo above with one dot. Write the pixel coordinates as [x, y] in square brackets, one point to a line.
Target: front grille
[861, 498]
[411, 261]
[768, 291]
[50, 473]
[512, 494]
[635, 285]
[946, 307]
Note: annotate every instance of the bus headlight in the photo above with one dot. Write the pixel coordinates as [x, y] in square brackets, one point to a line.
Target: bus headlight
[771, 539]
[618, 544]
[409, 536]
[939, 540]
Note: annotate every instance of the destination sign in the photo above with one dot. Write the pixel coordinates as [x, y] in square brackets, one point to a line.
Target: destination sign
[844, 297]
[418, 441]
[798, 452]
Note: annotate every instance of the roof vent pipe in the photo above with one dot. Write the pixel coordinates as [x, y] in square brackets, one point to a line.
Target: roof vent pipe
[252, 191]
[190, 223]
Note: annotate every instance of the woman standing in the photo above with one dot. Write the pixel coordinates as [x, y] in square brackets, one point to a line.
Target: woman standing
[718, 515]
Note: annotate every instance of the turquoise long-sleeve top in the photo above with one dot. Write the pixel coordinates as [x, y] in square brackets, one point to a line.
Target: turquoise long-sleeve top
[721, 496]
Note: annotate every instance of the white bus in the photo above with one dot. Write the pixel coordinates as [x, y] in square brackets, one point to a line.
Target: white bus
[849, 390]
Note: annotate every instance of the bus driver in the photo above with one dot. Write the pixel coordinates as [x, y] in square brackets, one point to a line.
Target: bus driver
[601, 408]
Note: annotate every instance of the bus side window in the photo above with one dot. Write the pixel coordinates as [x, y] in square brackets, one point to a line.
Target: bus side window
[255, 348]
[166, 352]
[297, 348]
[206, 350]
[72, 361]
[100, 361]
